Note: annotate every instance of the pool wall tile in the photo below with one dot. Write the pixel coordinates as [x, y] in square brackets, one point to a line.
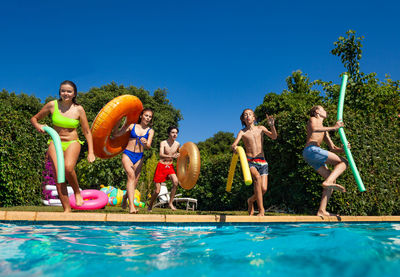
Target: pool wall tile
[311, 218]
[136, 217]
[190, 218]
[47, 216]
[31, 216]
[391, 218]
[369, 218]
[347, 218]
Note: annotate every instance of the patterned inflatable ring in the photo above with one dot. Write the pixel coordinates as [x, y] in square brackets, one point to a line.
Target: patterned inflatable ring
[104, 145]
[93, 200]
[188, 165]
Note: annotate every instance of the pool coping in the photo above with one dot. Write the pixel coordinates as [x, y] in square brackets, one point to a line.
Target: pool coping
[170, 218]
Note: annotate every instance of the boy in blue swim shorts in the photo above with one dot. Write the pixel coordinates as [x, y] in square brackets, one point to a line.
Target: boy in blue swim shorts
[317, 157]
[252, 136]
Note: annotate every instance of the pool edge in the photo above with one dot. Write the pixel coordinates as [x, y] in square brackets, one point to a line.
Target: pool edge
[111, 217]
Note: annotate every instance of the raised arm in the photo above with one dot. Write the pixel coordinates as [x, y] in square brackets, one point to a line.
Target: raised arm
[271, 122]
[40, 115]
[87, 133]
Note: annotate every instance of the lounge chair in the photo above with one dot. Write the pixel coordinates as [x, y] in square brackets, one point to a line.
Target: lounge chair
[164, 197]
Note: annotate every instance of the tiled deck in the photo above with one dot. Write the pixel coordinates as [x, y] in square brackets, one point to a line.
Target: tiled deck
[114, 217]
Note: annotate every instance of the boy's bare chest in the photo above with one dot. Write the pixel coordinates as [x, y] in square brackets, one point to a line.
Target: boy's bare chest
[252, 135]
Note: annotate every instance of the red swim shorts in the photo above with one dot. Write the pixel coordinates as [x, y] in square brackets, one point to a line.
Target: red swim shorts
[162, 172]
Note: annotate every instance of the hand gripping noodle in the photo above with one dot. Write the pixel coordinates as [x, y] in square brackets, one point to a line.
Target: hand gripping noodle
[59, 153]
[104, 145]
[188, 165]
[343, 138]
[245, 168]
[93, 200]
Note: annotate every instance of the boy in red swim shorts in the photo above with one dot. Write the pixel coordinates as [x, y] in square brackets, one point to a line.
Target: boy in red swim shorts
[169, 150]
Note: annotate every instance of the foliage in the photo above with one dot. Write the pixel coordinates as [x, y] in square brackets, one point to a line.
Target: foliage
[20, 150]
[219, 143]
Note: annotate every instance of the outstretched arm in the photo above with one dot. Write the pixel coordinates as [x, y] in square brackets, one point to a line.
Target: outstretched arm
[235, 143]
[40, 115]
[316, 126]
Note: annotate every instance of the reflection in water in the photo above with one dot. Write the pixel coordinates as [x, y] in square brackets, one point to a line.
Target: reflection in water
[276, 249]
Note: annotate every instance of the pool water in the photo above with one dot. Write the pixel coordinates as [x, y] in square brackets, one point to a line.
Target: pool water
[338, 249]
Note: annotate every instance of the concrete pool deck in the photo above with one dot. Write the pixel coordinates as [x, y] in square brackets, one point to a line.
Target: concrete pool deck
[170, 218]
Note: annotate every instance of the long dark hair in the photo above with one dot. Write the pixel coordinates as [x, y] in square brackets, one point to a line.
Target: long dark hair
[72, 84]
[143, 111]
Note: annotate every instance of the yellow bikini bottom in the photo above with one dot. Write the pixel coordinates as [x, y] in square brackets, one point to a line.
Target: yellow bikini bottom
[66, 144]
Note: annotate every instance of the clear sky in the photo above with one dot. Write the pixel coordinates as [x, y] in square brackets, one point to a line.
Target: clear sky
[215, 58]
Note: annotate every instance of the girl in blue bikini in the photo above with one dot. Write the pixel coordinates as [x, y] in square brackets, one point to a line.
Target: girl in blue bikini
[317, 157]
[66, 117]
[141, 136]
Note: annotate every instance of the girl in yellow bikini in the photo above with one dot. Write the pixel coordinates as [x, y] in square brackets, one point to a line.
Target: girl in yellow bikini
[66, 117]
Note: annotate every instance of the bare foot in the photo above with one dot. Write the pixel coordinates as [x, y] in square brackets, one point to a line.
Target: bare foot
[172, 207]
[250, 206]
[321, 213]
[261, 213]
[78, 199]
[132, 210]
[67, 211]
[334, 186]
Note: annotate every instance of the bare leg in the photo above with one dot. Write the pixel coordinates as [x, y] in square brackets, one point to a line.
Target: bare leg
[154, 196]
[133, 174]
[330, 181]
[340, 165]
[61, 188]
[174, 179]
[258, 195]
[71, 157]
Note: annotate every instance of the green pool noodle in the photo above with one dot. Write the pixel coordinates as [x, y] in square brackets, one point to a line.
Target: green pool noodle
[59, 152]
[343, 138]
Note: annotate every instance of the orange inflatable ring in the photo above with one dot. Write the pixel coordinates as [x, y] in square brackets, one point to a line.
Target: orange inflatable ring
[188, 165]
[104, 145]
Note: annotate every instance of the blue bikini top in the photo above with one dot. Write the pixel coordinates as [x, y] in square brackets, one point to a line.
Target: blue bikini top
[134, 135]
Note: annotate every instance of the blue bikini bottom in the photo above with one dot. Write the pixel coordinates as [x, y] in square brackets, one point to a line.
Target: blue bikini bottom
[134, 156]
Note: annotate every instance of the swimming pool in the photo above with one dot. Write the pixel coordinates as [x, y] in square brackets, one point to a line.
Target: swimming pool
[71, 249]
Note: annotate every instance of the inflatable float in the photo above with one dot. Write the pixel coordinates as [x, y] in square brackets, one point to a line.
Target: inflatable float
[188, 165]
[93, 200]
[343, 138]
[245, 168]
[104, 145]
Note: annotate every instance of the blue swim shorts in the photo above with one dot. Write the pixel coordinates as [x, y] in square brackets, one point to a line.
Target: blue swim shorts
[315, 156]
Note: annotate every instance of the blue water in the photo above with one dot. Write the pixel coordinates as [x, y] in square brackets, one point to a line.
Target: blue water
[338, 249]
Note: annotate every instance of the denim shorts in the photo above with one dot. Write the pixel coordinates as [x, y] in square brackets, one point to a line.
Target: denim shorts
[315, 156]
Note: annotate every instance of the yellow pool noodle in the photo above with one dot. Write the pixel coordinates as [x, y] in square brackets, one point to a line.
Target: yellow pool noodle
[245, 168]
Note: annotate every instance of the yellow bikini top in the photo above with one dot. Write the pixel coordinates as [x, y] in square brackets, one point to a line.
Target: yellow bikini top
[63, 121]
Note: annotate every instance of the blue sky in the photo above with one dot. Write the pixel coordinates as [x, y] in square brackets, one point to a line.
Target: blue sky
[215, 58]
